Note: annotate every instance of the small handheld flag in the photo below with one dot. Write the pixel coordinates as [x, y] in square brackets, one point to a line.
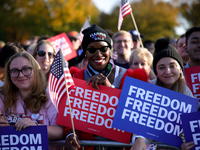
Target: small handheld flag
[125, 9]
[57, 77]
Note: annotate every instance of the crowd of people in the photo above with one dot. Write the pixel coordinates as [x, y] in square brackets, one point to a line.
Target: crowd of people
[101, 60]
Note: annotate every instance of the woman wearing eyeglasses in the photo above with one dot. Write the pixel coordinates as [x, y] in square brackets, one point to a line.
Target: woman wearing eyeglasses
[44, 53]
[23, 98]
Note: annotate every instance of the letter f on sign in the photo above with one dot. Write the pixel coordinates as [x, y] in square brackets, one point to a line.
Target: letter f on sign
[193, 125]
[196, 138]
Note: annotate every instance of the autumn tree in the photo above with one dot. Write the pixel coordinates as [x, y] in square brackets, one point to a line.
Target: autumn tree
[21, 19]
[191, 12]
[154, 19]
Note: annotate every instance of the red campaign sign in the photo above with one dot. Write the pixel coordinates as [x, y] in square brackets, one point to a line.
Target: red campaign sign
[92, 111]
[192, 76]
[62, 41]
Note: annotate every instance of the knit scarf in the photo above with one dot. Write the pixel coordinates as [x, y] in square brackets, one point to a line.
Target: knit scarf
[106, 71]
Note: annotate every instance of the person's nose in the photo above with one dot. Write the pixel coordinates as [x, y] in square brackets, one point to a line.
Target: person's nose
[167, 70]
[20, 74]
[46, 56]
[122, 43]
[98, 52]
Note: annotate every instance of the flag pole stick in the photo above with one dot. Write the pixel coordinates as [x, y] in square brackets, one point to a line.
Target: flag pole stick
[73, 129]
[136, 29]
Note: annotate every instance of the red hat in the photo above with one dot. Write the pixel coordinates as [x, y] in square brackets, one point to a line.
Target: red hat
[73, 34]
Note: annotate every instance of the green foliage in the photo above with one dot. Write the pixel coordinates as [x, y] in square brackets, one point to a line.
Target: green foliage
[20, 19]
[191, 12]
[154, 20]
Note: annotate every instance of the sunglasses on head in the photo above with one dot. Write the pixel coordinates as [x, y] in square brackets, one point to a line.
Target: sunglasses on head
[102, 49]
[42, 53]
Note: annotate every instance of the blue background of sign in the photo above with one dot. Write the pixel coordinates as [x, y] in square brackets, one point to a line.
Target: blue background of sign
[158, 135]
[30, 130]
[186, 126]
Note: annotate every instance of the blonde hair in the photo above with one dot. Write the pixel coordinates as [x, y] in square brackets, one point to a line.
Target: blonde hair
[121, 33]
[37, 48]
[41, 43]
[179, 86]
[141, 53]
[38, 96]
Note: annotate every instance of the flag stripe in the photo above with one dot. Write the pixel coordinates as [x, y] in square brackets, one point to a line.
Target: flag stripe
[56, 83]
[125, 9]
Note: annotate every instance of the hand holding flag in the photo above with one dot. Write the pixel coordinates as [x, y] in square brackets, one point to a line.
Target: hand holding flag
[60, 81]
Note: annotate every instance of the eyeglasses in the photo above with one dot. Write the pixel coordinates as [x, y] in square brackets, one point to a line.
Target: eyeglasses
[120, 41]
[102, 49]
[26, 71]
[42, 53]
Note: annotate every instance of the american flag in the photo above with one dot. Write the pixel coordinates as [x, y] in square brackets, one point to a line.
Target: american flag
[86, 25]
[125, 9]
[56, 83]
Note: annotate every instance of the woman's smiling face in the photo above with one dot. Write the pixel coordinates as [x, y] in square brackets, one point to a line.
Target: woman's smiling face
[98, 60]
[168, 71]
[45, 61]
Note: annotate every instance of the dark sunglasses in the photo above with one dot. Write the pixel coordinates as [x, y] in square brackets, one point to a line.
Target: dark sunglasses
[42, 53]
[102, 49]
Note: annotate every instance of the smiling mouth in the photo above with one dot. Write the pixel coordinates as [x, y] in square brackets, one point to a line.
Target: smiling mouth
[22, 80]
[99, 61]
[168, 76]
[46, 63]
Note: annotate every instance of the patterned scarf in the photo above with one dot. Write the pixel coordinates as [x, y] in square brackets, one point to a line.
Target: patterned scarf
[106, 71]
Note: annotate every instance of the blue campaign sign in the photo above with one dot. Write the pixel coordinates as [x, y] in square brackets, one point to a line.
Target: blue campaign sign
[152, 111]
[31, 138]
[191, 128]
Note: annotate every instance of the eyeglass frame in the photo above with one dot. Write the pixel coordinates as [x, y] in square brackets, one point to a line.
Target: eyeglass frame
[30, 68]
[100, 49]
[120, 41]
[50, 54]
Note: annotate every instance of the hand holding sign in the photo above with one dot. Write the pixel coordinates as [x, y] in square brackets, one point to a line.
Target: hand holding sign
[191, 128]
[3, 121]
[99, 79]
[152, 111]
[92, 110]
[71, 141]
[24, 123]
[187, 146]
